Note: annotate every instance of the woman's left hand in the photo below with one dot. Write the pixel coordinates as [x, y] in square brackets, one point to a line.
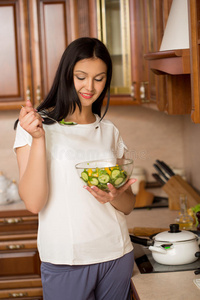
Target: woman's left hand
[113, 194]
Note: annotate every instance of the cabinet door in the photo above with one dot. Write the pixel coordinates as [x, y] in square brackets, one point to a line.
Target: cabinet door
[48, 37]
[33, 36]
[53, 25]
[14, 54]
[114, 19]
[155, 15]
[194, 29]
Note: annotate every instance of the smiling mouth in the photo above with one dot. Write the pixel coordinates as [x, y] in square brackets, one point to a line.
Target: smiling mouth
[86, 95]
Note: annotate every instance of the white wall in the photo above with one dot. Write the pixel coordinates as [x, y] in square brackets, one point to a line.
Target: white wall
[150, 135]
[8, 163]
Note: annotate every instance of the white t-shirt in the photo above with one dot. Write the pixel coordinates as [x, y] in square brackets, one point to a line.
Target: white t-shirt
[74, 228]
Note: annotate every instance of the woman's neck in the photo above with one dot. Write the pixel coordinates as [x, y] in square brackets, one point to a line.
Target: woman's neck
[86, 116]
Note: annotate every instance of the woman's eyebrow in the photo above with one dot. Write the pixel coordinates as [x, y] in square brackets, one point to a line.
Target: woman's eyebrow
[86, 73]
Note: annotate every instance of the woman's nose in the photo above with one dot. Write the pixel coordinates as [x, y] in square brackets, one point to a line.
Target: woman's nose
[90, 85]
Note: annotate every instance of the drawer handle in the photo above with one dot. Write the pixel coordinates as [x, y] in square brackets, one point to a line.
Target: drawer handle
[16, 295]
[13, 247]
[13, 220]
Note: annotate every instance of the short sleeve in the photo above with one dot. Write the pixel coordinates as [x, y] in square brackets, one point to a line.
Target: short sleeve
[121, 147]
[22, 137]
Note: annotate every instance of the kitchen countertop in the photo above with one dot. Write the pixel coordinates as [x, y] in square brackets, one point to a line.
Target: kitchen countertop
[161, 286]
[166, 286]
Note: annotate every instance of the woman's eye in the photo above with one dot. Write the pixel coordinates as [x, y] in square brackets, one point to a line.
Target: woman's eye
[99, 79]
[80, 78]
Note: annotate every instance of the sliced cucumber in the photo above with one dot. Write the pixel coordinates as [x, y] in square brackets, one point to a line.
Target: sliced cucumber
[115, 173]
[103, 186]
[84, 176]
[104, 178]
[118, 181]
[93, 180]
[100, 177]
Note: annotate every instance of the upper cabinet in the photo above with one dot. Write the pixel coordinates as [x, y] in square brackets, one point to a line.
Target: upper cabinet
[152, 20]
[33, 36]
[180, 65]
[194, 30]
[14, 71]
[113, 21]
[130, 29]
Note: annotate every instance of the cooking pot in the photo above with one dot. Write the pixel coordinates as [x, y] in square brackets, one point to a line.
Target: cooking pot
[173, 247]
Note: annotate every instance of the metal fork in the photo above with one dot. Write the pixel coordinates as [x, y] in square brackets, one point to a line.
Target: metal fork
[43, 114]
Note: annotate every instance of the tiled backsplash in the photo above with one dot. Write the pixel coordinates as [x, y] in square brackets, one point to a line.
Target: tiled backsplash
[149, 135]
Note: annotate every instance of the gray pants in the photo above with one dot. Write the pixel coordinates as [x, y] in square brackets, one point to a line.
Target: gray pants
[104, 281]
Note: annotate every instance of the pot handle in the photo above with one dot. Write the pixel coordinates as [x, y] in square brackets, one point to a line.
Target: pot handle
[141, 241]
[158, 249]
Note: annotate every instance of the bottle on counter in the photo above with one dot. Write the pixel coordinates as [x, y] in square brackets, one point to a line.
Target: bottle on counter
[184, 220]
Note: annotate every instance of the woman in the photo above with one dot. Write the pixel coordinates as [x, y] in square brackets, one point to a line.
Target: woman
[83, 240]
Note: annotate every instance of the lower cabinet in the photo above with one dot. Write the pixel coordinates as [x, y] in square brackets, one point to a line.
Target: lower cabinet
[21, 289]
[19, 259]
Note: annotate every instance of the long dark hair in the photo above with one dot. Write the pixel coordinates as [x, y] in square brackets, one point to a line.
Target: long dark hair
[62, 98]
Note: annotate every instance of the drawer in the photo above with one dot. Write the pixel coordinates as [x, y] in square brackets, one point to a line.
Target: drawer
[18, 236]
[18, 245]
[24, 288]
[19, 263]
[23, 293]
[20, 224]
[20, 283]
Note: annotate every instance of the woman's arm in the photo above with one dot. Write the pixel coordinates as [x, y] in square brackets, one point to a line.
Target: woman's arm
[33, 180]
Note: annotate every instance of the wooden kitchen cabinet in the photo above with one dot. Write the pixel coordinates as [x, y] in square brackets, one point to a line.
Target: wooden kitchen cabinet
[134, 27]
[113, 29]
[19, 259]
[181, 68]
[149, 19]
[21, 288]
[33, 36]
[18, 222]
[194, 30]
[155, 17]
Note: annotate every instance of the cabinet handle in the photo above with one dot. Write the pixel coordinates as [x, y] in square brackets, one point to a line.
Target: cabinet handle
[38, 94]
[143, 91]
[17, 295]
[28, 93]
[13, 220]
[133, 90]
[14, 247]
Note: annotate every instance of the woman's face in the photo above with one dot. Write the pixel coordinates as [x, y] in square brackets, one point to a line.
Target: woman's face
[90, 77]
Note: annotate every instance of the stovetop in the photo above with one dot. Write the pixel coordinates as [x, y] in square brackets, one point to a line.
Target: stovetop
[146, 264]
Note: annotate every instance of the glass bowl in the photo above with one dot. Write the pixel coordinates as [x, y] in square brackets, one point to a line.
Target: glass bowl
[116, 171]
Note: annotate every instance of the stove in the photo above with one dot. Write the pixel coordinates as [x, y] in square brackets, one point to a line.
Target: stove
[146, 264]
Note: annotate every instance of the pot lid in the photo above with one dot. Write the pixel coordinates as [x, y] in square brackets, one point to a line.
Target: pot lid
[175, 235]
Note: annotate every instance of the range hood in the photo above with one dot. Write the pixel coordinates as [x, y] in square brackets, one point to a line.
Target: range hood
[173, 56]
[176, 35]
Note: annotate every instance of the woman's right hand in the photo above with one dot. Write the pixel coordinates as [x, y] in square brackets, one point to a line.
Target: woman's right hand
[31, 121]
